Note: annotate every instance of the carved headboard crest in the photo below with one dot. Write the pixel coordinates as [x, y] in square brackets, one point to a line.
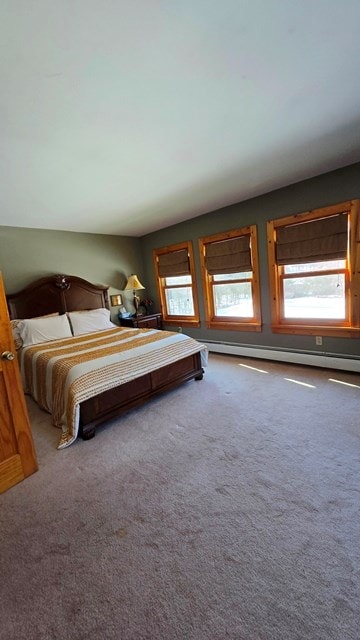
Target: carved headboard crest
[62, 283]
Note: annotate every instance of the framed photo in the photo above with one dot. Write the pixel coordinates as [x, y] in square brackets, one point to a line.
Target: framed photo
[116, 300]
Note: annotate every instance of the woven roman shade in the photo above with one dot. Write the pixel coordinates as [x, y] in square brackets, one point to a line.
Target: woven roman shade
[174, 263]
[228, 256]
[317, 240]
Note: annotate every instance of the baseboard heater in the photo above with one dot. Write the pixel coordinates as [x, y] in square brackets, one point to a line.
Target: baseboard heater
[326, 360]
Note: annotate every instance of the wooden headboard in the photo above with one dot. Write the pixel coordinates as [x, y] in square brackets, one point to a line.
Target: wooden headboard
[56, 293]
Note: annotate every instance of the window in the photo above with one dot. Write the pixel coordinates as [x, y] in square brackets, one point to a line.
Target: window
[314, 260]
[231, 282]
[175, 278]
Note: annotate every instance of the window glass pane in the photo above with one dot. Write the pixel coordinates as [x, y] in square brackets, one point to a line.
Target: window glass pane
[233, 300]
[315, 266]
[232, 276]
[315, 297]
[177, 280]
[179, 302]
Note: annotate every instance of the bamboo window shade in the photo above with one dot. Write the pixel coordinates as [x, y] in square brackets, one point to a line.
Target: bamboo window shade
[232, 255]
[316, 240]
[174, 263]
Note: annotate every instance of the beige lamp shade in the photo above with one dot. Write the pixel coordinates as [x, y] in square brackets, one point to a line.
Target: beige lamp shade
[133, 283]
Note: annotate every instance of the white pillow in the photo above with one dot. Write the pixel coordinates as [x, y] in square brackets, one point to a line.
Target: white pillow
[37, 330]
[90, 321]
[16, 326]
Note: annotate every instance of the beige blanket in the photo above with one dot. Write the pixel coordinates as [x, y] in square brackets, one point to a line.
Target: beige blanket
[61, 374]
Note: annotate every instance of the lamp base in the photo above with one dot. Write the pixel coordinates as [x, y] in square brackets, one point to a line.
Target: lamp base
[136, 302]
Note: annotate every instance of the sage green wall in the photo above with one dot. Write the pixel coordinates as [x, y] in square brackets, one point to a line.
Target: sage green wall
[27, 254]
[327, 189]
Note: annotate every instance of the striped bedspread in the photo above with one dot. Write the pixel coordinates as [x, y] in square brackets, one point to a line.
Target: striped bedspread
[61, 374]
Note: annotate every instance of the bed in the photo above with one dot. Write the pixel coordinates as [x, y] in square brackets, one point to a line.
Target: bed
[127, 366]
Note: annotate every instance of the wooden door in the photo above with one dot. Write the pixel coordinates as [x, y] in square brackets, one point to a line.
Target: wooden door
[17, 454]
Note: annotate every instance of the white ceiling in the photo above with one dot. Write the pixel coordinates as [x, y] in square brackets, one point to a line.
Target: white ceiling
[126, 116]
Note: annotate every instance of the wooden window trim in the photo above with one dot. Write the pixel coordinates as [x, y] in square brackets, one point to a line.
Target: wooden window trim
[185, 321]
[231, 323]
[345, 329]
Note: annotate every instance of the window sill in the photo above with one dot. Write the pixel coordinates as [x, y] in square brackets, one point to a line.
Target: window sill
[317, 330]
[234, 326]
[181, 321]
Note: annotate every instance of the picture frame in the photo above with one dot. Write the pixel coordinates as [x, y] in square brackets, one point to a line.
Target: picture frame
[116, 300]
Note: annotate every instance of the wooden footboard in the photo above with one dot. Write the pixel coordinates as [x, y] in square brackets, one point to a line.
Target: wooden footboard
[116, 401]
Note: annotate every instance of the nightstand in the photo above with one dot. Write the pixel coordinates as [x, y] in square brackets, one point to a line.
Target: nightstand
[152, 321]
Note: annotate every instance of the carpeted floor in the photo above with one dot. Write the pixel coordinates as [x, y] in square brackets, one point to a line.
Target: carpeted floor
[227, 509]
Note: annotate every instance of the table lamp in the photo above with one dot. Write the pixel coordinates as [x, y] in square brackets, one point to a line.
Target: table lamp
[134, 284]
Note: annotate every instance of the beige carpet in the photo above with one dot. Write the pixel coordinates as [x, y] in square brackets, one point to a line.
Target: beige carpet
[227, 509]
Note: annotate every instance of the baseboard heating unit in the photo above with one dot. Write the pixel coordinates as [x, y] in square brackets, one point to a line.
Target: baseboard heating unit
[315, 359]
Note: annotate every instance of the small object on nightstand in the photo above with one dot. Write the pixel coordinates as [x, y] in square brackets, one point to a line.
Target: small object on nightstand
[124, 313]
[145, 306]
